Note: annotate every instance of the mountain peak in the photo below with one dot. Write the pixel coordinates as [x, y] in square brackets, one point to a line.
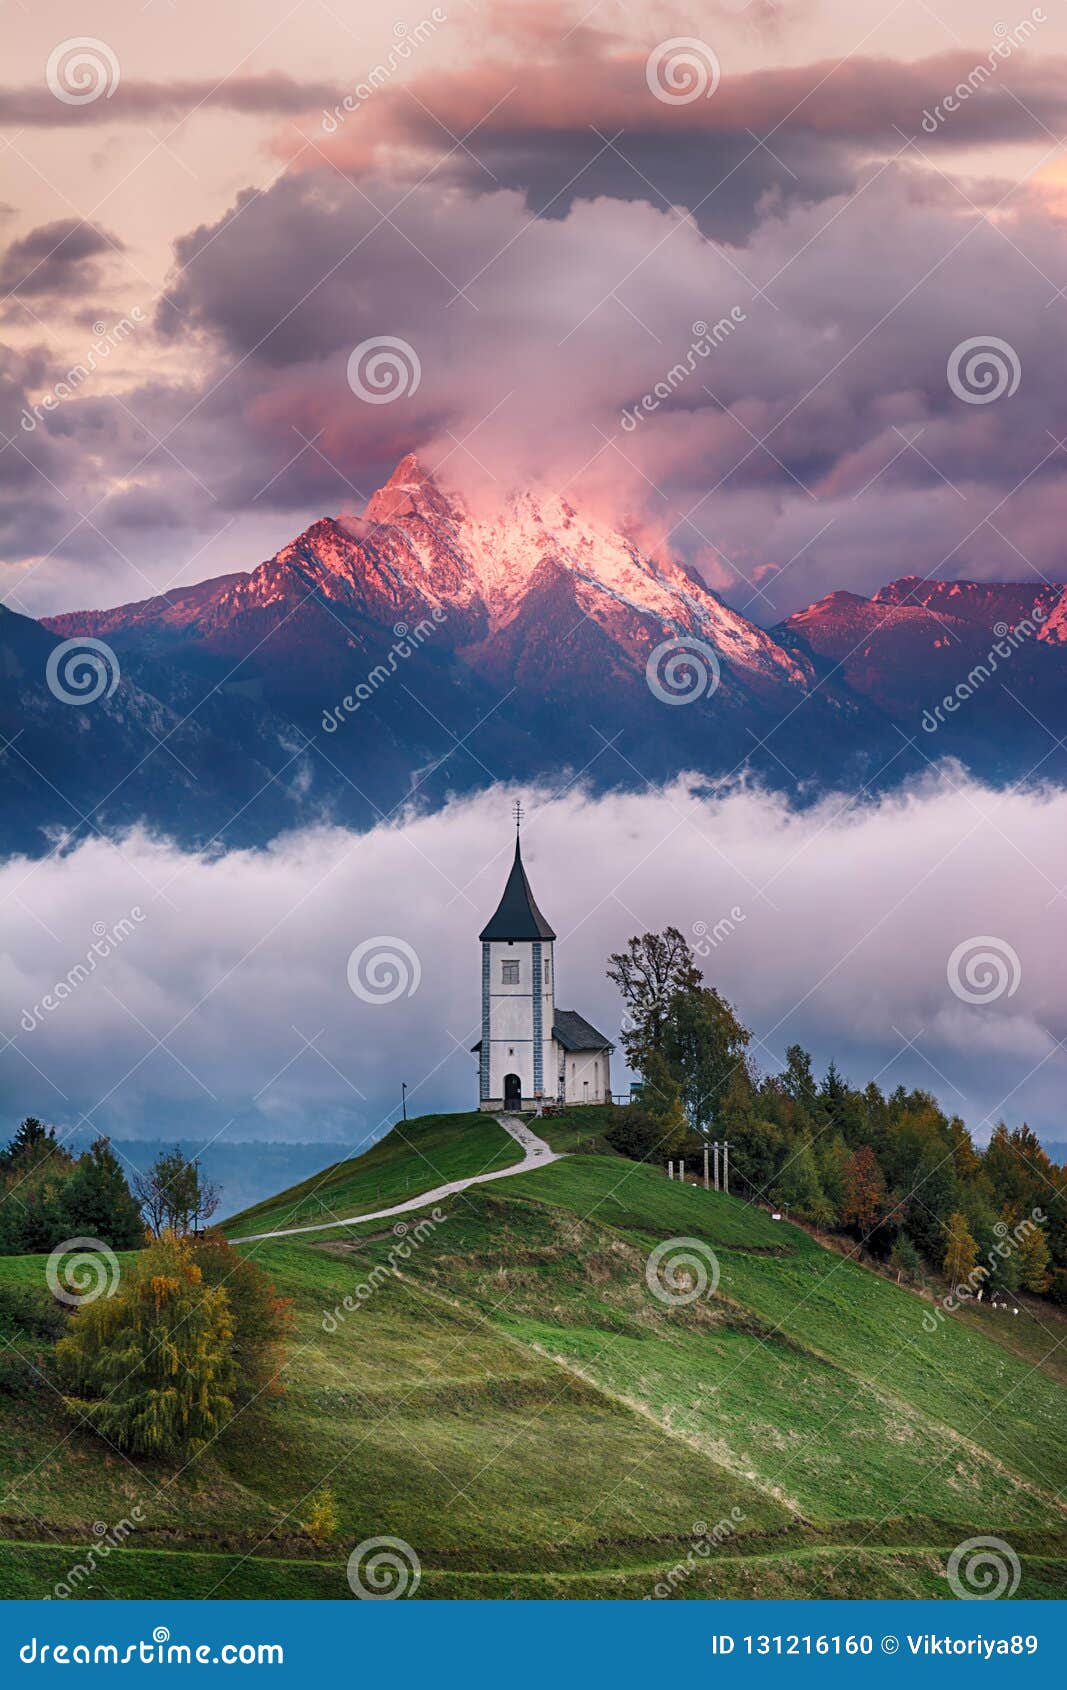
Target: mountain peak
[410, 491]
[410, 472]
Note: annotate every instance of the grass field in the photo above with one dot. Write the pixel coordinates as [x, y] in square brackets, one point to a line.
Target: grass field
[517, 1405]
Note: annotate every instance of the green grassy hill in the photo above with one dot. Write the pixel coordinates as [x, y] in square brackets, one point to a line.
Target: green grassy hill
[415, 1156]
[516, 1404]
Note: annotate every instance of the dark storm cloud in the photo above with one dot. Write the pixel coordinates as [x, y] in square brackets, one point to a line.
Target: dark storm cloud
[821, 438]
[865, 298]
[55, 258]
[577, 119]
[726, 177]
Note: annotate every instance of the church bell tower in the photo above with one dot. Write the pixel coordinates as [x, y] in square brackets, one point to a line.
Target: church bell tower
[518, 998]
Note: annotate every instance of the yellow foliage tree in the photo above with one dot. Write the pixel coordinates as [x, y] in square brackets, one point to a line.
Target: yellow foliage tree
[961, 1251]
[322, 1522]
[150, 1367]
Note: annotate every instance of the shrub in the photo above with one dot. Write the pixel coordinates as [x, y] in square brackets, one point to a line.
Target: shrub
[261, 1319]
[150, 1368]
[322, 1523]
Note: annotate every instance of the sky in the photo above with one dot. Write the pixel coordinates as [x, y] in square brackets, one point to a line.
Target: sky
[205, 214]
[208, 209]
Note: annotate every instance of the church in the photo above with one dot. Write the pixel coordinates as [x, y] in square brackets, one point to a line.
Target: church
[531, 1053]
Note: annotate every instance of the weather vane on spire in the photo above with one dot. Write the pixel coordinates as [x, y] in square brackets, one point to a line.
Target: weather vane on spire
[518, 815]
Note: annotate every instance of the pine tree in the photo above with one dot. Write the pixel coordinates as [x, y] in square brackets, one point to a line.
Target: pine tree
[798, 1080]
[96, 1201]
[150, 1368]
[31, 1144]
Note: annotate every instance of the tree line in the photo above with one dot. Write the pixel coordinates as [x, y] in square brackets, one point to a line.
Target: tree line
[891, 1170]
[190, 1333]
[48, 1194]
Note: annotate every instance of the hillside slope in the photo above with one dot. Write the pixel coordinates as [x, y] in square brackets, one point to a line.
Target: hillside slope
[509, 1397]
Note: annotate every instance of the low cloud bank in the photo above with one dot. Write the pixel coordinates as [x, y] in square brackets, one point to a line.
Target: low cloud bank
[146, 991]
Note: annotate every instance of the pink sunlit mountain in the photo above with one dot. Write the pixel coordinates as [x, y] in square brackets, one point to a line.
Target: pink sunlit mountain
[423, 649]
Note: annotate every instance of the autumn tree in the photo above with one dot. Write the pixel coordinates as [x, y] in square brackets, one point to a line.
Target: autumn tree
[1034, 1259]
[150, 1368]
[865, 1197]
[322, 1523]
[262, 1320]
[650, 973]
[961, 1251]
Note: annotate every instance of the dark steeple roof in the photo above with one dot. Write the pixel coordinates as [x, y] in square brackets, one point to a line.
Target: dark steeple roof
[517, 916]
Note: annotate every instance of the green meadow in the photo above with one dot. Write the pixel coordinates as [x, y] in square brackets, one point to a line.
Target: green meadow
[511, 1399]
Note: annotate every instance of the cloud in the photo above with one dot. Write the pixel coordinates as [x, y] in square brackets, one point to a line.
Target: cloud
[819, 446]
[828, 411]
[568, 116]
[55, 258]
[271, 93]
[839, 925]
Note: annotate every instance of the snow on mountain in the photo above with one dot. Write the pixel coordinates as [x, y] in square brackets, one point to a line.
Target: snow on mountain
[532, 626]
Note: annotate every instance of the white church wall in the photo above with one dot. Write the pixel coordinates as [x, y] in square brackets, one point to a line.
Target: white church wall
[588, 1076]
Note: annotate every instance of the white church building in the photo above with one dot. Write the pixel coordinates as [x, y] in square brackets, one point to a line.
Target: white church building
[531, 1053]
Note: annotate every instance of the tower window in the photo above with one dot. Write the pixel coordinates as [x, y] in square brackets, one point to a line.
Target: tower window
[509, 973]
